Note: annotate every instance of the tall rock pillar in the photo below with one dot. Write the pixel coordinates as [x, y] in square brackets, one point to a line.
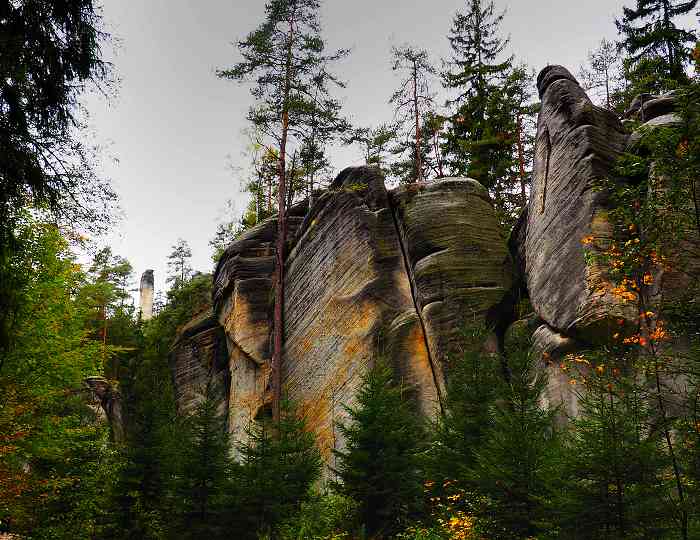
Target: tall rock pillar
[146, 295]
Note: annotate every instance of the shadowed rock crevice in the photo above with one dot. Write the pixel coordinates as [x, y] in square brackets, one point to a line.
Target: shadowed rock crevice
[436, 370]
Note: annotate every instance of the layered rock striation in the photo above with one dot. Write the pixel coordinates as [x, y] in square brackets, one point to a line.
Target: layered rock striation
[369, 274]
[399, 274]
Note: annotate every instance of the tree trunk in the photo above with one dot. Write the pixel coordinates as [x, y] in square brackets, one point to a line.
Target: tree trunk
[276, 371]
[521, 161]
[419, 166]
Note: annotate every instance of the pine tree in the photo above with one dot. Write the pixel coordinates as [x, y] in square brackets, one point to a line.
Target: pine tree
[285, 57]
[278, 465]
[602, 70]
[179, 269]
[412, 100]
[202, 479]
[379, 467]
[649, 33]
[375, 142]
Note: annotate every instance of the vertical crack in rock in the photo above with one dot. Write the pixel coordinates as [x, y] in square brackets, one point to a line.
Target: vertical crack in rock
[455, 256]
[411, 279]
[348, 302]
[548, 156]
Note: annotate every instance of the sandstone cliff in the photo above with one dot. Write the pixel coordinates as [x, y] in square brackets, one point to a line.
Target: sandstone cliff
[398, 274]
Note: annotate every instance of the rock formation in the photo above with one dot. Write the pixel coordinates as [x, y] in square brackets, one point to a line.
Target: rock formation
[397, 274]
[146, 295]
[107, 401]
[199, 357]
[369, 274]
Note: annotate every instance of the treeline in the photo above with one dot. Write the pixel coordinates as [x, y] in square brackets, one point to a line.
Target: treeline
[482, 128]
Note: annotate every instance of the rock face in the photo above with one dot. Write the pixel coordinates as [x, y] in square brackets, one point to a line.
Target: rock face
[455, 262]
[348, 302]
[146, 295]
[372, 273]
[369, 274]
[106, 397]
[577, 145]
[199, 357]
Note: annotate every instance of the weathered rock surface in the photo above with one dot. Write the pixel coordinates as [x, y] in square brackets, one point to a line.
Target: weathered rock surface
[199, 357]
[550, 348]
[369, 274]
[108, 399]
[455, 257]
[348, 302]
[243, 295]
[577, 145]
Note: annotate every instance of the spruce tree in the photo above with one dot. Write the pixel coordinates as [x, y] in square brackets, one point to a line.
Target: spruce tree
[476, 66]
[379, 467]
[278, 465]
[648, 32]
[484, 138]
[201, 482]
[614, 464]
[515, 465]
[471, 392]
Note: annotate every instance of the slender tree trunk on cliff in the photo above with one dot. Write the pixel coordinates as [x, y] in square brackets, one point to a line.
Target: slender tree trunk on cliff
[521, 161]
[276, 374]
[419, 165]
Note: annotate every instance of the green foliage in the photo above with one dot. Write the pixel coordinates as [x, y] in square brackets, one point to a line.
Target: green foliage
[179, 269]
[614, 466]
[201, 480]
[516, 465]
[55, 462]
[278, 465]
[51, 51]
[649, 33]
[471, 391]
[411, 101]
[379, 467]
[285, 56]
[373, 141]
[323, 517]
[487, 137]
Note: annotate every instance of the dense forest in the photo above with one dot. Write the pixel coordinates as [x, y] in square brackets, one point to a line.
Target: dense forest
[497, 462]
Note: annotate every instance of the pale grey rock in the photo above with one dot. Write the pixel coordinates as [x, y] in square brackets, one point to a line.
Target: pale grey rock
[577, 145]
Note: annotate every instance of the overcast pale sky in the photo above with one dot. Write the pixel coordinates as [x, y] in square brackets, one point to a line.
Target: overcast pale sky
[175, 127]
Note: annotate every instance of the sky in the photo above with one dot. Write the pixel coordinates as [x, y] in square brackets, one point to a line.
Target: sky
[173, 135]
